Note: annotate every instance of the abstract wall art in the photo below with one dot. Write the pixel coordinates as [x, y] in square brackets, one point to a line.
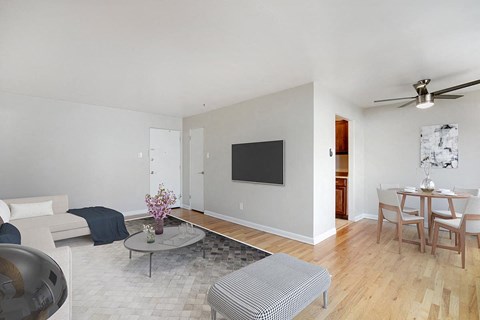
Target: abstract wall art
[439, 146]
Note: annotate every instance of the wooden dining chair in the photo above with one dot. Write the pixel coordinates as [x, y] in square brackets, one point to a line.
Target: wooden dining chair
[469, 223]
[386, 186]
[458, 207]
[389, 209]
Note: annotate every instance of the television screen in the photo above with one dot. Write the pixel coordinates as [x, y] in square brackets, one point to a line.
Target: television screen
[258, 162]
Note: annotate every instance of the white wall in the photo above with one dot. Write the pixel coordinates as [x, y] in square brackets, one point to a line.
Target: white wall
[392, 148]
[286, 115]
[326, 106]
[87, 152]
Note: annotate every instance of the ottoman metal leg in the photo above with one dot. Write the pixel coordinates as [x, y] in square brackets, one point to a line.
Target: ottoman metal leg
[325, 299]
[213, 314]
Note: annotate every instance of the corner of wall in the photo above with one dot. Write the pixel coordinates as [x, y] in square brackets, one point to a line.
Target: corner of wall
[327, 234]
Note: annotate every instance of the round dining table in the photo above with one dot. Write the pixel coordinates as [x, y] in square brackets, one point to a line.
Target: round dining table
[429, 196]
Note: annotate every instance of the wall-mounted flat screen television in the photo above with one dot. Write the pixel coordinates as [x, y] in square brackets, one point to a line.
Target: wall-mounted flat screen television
[260, 162]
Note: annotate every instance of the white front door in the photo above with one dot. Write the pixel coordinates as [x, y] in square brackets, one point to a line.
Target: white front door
[196, 170]
[165, 161]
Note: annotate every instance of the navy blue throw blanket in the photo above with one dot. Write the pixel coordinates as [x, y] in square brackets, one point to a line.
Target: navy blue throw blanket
[106, 225]
[9, 234]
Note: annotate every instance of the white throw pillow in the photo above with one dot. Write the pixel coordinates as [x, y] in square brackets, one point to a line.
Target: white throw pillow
[30, 210]
[4, 211]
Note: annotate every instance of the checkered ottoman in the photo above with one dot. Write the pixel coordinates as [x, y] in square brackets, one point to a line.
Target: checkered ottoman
[276, 287]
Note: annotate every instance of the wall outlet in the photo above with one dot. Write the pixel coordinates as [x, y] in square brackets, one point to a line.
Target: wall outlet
[140, 155]
[208, 155]
[241, 205]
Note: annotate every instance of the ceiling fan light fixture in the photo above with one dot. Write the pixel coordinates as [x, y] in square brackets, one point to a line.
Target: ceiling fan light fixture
[424, 101]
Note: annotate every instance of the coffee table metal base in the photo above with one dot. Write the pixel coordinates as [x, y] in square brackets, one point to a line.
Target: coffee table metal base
[137, 243]
[150, 265]
[151, 254]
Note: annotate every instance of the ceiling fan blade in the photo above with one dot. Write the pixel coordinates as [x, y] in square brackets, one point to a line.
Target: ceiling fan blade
[460, 86]
[406, 104]
[394, 99]
[448, 96]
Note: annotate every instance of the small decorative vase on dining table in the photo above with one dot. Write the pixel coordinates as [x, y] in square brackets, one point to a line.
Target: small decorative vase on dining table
[159, 226]
[427, 184]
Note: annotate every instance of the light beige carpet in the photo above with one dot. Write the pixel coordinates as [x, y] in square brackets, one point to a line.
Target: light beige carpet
[108, 285]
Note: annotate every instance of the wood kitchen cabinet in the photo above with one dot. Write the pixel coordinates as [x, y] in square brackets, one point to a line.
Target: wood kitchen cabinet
[341, 198]
[341, 137]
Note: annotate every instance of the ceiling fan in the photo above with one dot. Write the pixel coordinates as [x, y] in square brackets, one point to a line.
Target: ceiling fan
[425, 100]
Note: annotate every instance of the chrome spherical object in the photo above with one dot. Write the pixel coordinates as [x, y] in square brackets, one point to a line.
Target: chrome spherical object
[32, 285]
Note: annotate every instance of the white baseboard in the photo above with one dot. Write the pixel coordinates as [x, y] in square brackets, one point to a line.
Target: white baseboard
[223, 235]
[327, 234]
[185, 206]
[144, 211]
[134, 212]
[279, 232]
[365, 216]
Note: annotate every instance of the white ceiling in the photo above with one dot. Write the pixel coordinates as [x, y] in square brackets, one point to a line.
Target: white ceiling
[171, 57]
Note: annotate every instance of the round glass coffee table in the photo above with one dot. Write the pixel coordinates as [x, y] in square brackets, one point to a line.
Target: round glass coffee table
[171, 238]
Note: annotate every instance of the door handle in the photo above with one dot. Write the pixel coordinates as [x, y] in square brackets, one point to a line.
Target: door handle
[201, 172]
[152, 172]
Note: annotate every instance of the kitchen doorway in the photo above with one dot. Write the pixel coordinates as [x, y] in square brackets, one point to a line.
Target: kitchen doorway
[341, 169]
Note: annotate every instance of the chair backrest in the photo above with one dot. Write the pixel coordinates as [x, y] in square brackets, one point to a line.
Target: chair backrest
[389, 198]
[460, 204]
[385, 186]
[472, 209]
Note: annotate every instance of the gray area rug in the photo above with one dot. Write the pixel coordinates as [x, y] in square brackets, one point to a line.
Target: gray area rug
[108, 285]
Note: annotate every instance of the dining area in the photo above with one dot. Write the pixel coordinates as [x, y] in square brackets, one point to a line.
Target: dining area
[457, 213]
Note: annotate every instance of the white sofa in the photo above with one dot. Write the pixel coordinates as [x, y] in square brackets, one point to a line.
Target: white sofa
[40, 233]
[62, 225]
[41, 239]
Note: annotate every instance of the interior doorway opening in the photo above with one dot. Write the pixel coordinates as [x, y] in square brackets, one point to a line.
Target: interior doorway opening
[341, 169]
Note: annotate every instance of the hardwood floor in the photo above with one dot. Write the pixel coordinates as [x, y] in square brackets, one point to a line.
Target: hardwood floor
[370, 280]
[340, 223]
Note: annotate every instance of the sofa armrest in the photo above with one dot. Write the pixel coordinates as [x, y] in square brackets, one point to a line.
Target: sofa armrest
[38, 238]
[63, 257]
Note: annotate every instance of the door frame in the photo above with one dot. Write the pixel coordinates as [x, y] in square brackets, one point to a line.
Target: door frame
[190, 167]
[352, 172]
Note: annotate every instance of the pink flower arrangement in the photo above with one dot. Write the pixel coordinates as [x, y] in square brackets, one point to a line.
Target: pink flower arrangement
[159, 205]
